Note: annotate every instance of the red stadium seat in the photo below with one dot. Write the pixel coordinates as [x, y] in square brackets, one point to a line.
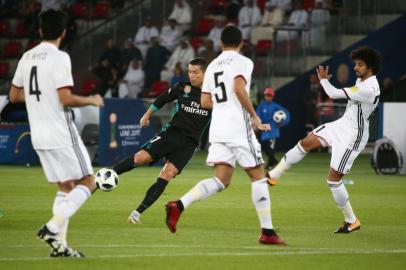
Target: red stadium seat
[158, 87]
[263, 46]
[79, 10]
[12, 49]
[4, 69]
[308, 4]
[21, 29]
[196, 43]
[217, 6]
[261, 5]
[205, 25]
[4, 28]
[101, 11]
[31, 44]
[89, 86]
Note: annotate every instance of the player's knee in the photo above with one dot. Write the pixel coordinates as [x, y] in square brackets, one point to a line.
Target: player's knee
[142, 158]
[335, 175]
[168, 173]
[66, 186]
[88, 181]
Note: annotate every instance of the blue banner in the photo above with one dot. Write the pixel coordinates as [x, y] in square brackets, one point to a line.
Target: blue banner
[15, 145]
[120, 132]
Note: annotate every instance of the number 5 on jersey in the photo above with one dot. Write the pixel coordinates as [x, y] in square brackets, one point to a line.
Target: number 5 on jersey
[220, 84]
[33, 79]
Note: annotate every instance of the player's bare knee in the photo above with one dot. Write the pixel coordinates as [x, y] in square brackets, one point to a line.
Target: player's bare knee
[88, 181]
[142, 157]
[334, 175]
[168, 173]
[66, 186]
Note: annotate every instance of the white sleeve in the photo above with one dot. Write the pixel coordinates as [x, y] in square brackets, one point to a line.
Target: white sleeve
[333, 92]
[18, 76]
[207, 86]
[244, 70]
[63, 72]
[363, 94]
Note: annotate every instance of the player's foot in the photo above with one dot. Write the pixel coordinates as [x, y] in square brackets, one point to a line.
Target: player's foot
[269, 237]
[135, 217]
[67, 252]
[271, 181]
[50, 238]
[349, 227]
[172, 215]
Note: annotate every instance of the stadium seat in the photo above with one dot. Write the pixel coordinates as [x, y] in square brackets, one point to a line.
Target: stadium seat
[21, 29]
[89, 86]
[205, 25]
[308, 4]
[79, 10]
[4, 28]
[31, 44]
[196, 43]
[101, 11]
[263, 46]
[158, 87]
[261, 5]
[12, 49]
[4, 69]
[217, 6]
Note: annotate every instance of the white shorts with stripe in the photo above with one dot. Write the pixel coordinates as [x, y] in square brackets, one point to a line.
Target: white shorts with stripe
[342, 154]
[67, 163]
[248, 154]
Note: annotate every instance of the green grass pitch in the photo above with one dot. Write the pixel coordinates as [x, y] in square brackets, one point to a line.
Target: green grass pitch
[218, 233]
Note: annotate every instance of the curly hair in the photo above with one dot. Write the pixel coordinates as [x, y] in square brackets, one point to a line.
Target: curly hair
[371, 57]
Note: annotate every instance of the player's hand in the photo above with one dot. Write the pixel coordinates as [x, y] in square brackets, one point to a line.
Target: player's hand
[97, 100]
[264, 127]
[322, 72]
[144, 121]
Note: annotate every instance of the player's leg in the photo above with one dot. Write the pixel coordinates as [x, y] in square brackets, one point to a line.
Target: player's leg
[295, 155]
[142, 157]
[266, 148]
[341, 162]
[271, 156]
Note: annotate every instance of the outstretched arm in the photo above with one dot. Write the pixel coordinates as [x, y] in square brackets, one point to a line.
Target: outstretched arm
[331, 91]
[16, 94]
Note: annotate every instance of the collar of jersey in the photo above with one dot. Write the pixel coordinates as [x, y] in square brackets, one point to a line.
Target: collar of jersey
[50, 45]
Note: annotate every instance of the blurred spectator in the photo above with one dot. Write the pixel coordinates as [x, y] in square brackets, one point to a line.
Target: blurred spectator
[178, 75]
[157, 56]
[298, 19]
[273, 17]
[182, 13]
[311, 100]
[207, 51]
[170, 35]
[53, 4]
[215, 33]
[103, 72]
[319, 20]
[30, 14]
[248, 17]
[111, 53]
[284, 5]
[130, 52]
[144, 35]
[71, 27]
[133, 82]
[183, 54]
[233, 9]
[387, 90]
[8, 8]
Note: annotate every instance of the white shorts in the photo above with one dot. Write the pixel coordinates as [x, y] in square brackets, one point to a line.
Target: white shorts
[342, 157]
[64, 164]
[248, 155]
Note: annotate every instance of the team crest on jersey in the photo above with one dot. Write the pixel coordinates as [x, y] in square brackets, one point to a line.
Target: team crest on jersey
[187, 89]
[354, 89]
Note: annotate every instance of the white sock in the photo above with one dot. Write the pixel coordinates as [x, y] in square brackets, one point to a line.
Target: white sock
[262, 203]
[341, 198]
[73, 201]
[292, 157]
[202, 190]
[59, 198]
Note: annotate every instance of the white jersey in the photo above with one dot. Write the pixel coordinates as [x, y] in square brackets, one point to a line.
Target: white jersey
[230, 122]
[363, 98]
[41, 72]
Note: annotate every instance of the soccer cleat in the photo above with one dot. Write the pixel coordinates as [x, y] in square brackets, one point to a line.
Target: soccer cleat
[348, 227]
[67, 252]
[270, 238]
[50, 238]
[271, 181]
[135, 217]
[172, 215]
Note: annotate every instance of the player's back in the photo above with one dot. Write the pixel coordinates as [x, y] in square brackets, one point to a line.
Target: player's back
[41, 72]
[230, 122]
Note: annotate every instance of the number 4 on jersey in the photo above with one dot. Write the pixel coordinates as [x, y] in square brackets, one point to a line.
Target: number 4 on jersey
[33, 79]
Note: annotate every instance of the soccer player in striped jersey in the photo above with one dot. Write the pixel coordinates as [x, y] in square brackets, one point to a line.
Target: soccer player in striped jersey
[346, 136]
[43, 80]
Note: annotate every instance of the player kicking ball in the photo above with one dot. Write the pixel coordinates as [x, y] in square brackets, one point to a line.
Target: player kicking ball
[346, 136]
[177, 141]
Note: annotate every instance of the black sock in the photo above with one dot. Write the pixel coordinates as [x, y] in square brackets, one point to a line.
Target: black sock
[152, 194]
[125, 165]
[180, 206]
[268, 232]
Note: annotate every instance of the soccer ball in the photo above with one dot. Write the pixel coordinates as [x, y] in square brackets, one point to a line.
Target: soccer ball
[279, 116]
[106, 179]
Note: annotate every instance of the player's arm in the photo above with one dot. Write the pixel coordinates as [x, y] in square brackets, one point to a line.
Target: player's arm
[242, 95]
[16, 94]
[205, 101]
[331, 91]
[71, 100]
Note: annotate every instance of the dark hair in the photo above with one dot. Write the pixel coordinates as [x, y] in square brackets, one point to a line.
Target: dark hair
[231, 36]
[52, 23]
[371, 57]
[199, 61]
